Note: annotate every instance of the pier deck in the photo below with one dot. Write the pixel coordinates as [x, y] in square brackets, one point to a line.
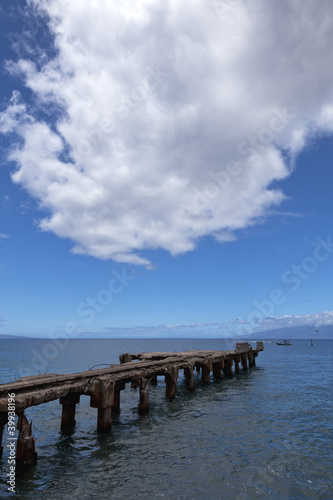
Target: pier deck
[104, 387]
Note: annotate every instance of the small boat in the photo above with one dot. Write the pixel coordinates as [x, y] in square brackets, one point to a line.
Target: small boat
[284, 342]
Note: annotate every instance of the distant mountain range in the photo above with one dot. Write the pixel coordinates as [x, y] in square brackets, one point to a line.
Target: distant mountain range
[4, 337]
[296, 332]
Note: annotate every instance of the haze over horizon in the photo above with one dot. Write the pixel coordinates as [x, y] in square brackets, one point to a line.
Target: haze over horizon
[166, 169]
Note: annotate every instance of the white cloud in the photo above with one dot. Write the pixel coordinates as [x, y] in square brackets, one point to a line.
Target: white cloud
[152, 100]
[274, 322]
[185, 330]
[3, 236]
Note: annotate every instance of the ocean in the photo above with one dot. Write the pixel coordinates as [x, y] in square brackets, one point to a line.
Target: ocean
[265, 433]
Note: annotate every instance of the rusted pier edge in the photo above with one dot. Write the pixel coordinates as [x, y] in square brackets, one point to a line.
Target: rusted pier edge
[104, 387]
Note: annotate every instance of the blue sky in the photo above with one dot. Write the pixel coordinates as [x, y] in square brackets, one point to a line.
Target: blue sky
[148, 184]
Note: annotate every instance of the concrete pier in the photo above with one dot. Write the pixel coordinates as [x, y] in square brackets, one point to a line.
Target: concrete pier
[105, 385]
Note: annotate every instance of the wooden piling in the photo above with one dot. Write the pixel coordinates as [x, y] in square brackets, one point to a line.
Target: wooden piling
[69, 403]
[25, 448]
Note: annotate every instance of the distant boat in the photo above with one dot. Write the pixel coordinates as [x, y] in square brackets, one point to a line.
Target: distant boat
[284, 342]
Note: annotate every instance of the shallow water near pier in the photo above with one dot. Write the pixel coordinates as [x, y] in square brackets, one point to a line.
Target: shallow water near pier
[265, 433]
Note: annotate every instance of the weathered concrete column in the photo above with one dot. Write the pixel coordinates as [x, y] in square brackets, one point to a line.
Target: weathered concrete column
[25, 447]
[244, 361]
[251, 358]
[125, 358]
[153, 380]
[171, 377]
[1, 433]
[255, 354]
[189, 378]
[197, 368]
[104, 420]
[206, 369]
[236, 361]
[102, 397]
[116, 397]
[69, 403]
[227, 367]
[144, 397]
[217, 370]
[3, 421]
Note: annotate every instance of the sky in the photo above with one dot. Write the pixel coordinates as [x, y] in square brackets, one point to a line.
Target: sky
[165, 168]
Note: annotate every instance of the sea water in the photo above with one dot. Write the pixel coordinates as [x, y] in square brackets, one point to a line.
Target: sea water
[264, 433]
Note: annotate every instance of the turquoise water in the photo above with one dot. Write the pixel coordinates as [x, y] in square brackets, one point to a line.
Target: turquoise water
[265, 433]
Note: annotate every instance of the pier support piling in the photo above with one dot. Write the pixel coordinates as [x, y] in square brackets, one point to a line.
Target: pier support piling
[217, 370]
[144, 397]
[104, 422]
[236, 364]
[102, 398]
[244, 361]
[116, 398]
[1, 433]
[153, 380]
[227, 367]
[206, 369]
[25, 448]
[189, 378]
[3, 422]
[69, 403]
[171, 377]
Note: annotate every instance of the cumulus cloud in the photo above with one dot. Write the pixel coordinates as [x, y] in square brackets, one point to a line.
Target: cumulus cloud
[158, 123]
